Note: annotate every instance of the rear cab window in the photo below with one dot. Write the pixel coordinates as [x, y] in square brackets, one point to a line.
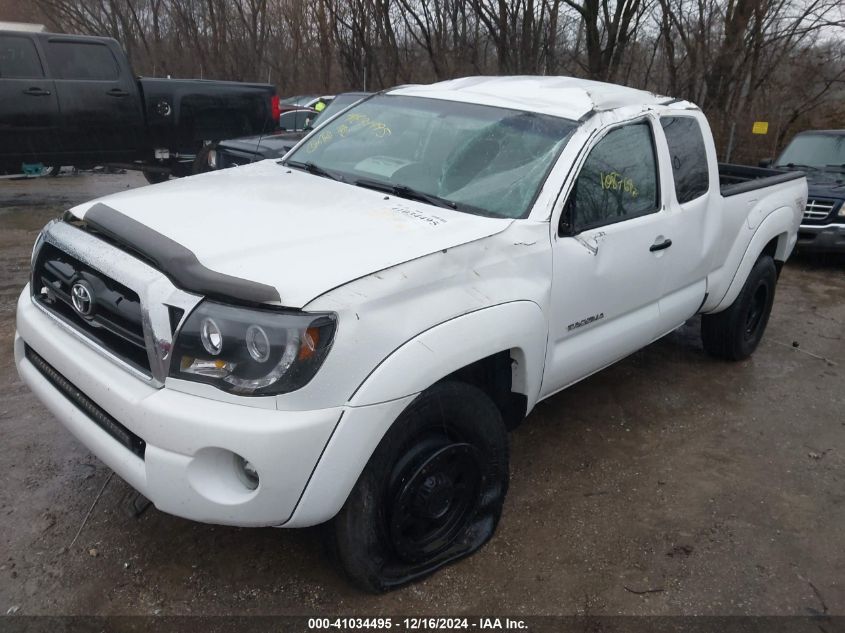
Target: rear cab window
[82, 60]
[619, 179]
[19, 58]
[690, 170]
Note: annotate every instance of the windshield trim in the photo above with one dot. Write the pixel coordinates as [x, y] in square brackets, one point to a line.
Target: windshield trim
[461, 207]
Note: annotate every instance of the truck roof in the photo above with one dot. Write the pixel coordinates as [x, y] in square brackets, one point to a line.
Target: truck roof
[566, 97]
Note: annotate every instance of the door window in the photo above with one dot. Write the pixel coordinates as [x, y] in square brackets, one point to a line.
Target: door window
[689, 158]
[82, 60]
[618, 180]
[296, 120]
[19, 59]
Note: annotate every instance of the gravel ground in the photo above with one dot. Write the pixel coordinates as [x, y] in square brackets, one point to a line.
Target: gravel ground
[668, 484]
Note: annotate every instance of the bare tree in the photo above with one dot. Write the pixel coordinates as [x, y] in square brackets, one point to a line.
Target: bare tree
[609, 27]
[524, 32]
[740, 60]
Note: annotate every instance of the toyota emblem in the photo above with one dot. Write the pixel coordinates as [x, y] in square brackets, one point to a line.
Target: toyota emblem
[82, 298]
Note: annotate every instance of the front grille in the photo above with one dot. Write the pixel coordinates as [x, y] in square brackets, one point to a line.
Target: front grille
[111, 316]
[90, 408]
[818, 209]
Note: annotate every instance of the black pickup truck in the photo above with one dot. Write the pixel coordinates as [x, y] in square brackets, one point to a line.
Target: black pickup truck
[74, 100]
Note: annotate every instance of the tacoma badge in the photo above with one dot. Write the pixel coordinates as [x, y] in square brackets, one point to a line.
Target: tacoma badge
[583, 322]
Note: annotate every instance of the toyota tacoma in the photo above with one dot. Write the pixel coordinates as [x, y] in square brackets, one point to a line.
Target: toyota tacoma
[344, 336]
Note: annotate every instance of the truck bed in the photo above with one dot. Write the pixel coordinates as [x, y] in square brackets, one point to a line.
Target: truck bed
[736, 179]
[204, 110]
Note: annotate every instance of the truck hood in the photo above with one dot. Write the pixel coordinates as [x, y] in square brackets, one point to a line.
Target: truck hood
[826, 184]
[298, 233]
[822, 182]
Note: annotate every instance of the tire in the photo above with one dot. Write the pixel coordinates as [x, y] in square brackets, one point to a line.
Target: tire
[405, 518]
[734, 334]
[201, 165]
[155, 177]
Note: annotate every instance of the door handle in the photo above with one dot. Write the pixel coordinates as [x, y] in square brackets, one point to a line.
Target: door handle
[36, 92]
[660, 246]
[117, 92]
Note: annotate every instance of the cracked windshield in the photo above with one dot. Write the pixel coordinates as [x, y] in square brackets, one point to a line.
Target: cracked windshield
[474, 158]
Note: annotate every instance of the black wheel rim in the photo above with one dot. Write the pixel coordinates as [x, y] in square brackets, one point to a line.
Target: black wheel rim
[756, 311]
[435, 496]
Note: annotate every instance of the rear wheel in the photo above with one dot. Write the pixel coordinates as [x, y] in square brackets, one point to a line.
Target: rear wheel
[734, 334]
[431, 493]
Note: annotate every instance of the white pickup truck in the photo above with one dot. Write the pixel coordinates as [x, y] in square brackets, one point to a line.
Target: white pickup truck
[347, 333]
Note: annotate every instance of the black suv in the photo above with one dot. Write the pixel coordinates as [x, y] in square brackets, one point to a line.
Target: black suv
[821, 155]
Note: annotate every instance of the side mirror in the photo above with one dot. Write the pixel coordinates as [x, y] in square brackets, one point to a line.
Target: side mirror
[766, 162]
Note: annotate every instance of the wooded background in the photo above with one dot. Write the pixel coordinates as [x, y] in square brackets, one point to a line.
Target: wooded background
[781, 61]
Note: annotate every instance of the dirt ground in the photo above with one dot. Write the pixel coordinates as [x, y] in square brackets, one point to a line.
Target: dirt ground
[668, 484]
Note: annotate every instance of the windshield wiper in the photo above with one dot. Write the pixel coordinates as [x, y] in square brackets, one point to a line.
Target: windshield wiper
[311, 168]
[403, 191]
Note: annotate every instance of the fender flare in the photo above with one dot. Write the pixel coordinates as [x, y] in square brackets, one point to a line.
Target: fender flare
[519, 326]
[778, 224]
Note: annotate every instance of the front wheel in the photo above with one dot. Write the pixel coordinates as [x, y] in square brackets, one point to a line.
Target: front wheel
[431, 493]
[734, 334]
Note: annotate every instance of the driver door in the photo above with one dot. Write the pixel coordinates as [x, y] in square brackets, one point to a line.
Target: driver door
[608, 258]
[29, 111]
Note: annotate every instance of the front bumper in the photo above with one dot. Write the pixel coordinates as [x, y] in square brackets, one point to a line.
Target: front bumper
[187, 467]
[826, 238]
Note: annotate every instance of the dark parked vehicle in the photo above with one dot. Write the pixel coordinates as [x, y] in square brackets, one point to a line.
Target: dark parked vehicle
[74, 100]
[821, 155]
[308, 101]
[295, 118]
[242, 151]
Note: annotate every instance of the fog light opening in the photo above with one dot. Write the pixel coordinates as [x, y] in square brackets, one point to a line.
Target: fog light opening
[247, 473]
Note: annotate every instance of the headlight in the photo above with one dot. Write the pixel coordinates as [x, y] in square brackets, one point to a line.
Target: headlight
[251, 351]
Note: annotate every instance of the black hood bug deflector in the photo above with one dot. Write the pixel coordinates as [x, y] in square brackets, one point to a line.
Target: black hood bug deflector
[174, 260]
